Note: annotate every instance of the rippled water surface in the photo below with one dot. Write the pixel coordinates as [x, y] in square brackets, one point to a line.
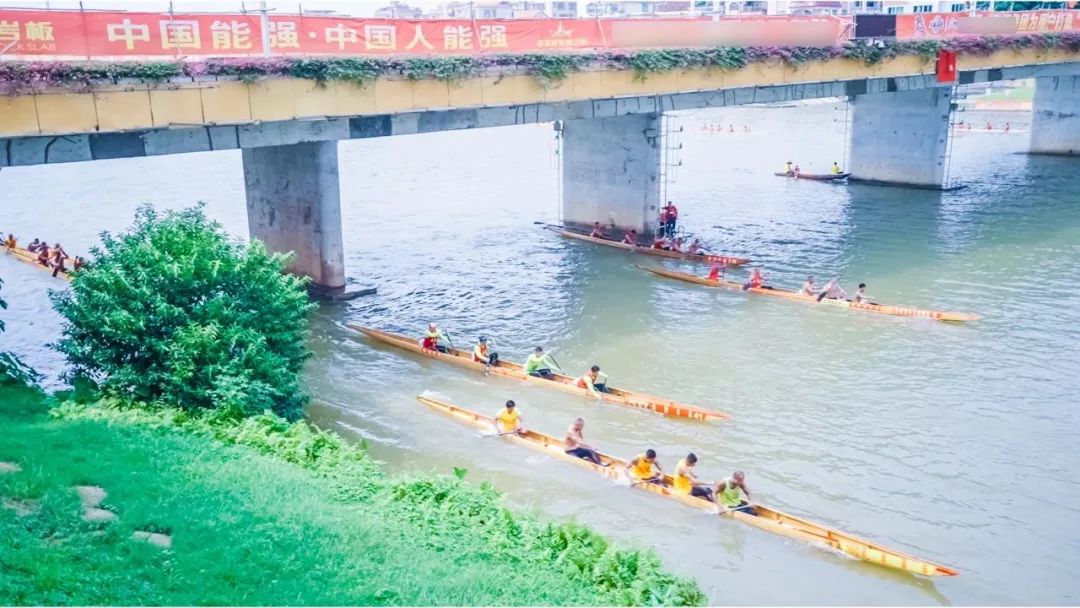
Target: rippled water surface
[954, 442]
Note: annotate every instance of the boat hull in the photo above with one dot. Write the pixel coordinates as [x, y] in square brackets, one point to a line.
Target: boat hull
[819, 177]
[768, 519]
[507, 369]
[660, 253]
[30, 258]
[898, 311]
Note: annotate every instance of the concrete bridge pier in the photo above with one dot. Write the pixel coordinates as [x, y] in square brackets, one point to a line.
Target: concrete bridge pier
[901, 138]
[1055, 123]
[611, 171]
[294, 204]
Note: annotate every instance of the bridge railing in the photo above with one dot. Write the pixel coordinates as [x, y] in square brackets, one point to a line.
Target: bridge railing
[27, 34]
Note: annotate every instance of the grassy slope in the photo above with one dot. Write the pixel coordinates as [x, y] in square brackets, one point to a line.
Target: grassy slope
[247, 529]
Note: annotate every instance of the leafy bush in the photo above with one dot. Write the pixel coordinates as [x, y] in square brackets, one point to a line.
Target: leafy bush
[454, 518]
[175, 312]
[12, 369]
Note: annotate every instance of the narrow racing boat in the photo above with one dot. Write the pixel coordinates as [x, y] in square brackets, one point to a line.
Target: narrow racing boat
[769, 519]
[642, 249]
[28, 257]
[820, 177]
[625, 398]
[899, 311]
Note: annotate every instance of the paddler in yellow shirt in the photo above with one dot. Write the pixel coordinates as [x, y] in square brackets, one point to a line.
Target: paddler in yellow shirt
[508, 421]
[645, 469]
[685, 482]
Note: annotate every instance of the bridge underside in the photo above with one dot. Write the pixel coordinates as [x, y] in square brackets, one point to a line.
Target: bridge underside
[21, 151]
[611, 149]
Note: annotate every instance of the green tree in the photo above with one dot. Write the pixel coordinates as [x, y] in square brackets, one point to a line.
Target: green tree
[174, 311]
[13, 370]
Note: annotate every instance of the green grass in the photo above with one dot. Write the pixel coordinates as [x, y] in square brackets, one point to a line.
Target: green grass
[250, 527]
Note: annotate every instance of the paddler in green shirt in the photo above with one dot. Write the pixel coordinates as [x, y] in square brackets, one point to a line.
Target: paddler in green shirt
[539, 364]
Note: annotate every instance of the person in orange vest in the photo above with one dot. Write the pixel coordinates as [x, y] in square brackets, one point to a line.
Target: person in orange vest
[671, 218]
[717, 271]
[594, 381]
[483, 354]
[756, 281]
[432, 337]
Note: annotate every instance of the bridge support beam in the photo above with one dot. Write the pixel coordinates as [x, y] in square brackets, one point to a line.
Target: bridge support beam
[901, 138]
[611, 171]
[1055, 124]
[294, 204]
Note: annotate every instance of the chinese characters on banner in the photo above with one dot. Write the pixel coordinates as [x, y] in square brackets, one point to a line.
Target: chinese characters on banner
[59, 33]
[947, 25]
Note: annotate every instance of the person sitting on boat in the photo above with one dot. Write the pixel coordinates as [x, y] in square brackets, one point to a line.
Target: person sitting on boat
[860, 296]
[34, 246]
[756, 280]
[539, 364]
[432, 337]
[482, 353]
[508, 420]
[717, 271]
[676, 245]
[685, 482]
[594, 381]
[597, 231]
[836, 168]
[43, 255]
[789, 168]
[796, 171]
[660, 242]
[78, 263]
[644, 468]
[833, 291]
[696, 247]
[808, 288]
[574, 444]
[727, 492]
[630, 238]
[10, 241]
[1007, 127]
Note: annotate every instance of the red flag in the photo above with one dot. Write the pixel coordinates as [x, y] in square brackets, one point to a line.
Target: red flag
[946, 66]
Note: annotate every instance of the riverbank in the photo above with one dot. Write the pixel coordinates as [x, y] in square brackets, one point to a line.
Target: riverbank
[103, 505]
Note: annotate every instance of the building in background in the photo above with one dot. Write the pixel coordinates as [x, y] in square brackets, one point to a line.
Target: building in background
[399, 10]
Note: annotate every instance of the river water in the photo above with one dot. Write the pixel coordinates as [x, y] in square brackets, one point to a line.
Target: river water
[957, 443]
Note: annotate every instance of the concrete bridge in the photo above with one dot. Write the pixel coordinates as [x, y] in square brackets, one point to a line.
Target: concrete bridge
[288, 129]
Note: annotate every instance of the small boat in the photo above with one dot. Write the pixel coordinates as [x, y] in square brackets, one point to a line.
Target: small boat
[821, 177]
[29, 257]
[704, 258]
[768, 519]
[899, 311]
[506, 369]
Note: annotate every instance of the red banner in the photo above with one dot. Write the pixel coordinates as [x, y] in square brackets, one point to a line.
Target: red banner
[947, 25]
[58, 33]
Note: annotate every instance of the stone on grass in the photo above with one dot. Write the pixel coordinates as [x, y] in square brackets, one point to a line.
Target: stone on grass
[90, 496]
[96, 515]
[22, 508]
[154, 538]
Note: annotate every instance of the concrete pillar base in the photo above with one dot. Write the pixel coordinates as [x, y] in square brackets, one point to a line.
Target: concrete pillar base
[901, 138]
[294, 205]
[1055, 121]
[611, 170]
[340, 294]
